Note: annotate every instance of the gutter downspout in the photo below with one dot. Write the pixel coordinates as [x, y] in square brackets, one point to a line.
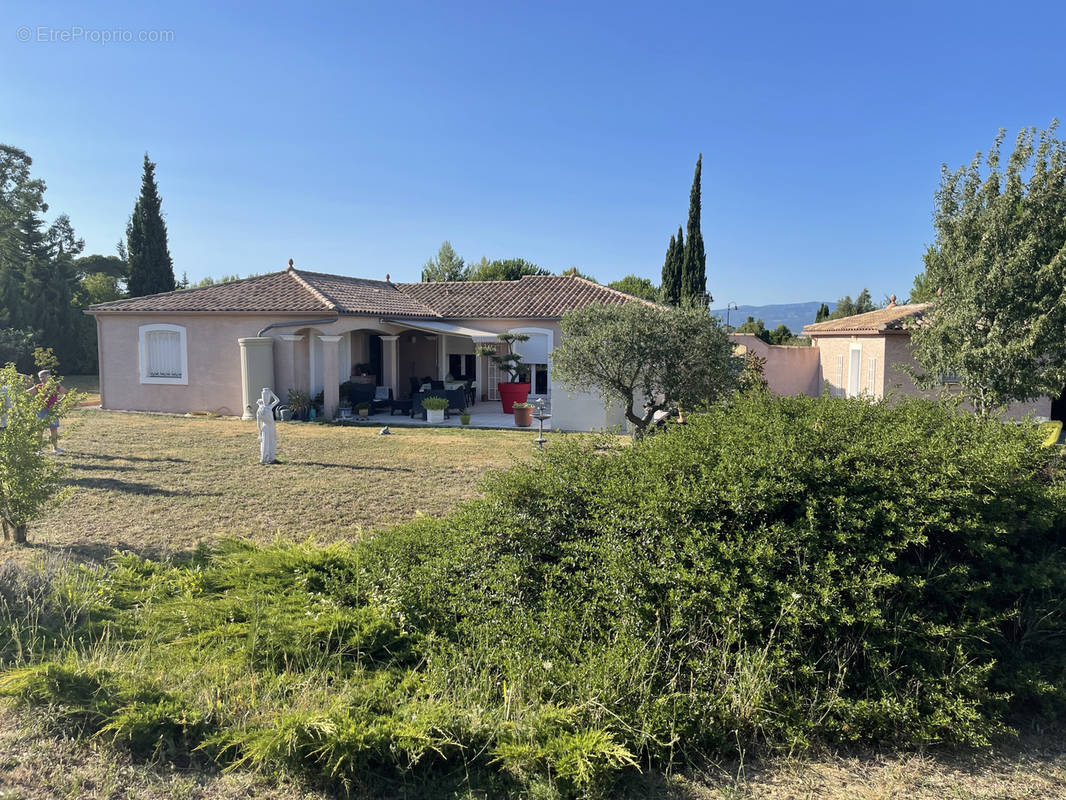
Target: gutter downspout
[298, 324]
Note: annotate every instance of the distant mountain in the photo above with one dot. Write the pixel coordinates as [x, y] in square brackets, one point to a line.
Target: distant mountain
[794, 315]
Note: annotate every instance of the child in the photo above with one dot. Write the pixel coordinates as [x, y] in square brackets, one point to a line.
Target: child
[53, 425]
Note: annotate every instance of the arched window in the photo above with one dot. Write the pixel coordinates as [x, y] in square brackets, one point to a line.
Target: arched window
[163, 354]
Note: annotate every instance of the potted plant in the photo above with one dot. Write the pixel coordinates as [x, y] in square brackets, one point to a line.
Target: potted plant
[300, 403]
[465, 417]
[344, 409]
[435, 407]
[523, 414]
[363, 409]
[515, 390]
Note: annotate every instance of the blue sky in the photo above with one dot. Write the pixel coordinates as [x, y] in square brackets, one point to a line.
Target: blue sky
[355, 137]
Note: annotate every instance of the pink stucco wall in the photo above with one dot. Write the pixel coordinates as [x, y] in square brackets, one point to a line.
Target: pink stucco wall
[213, 354]
[871, 369]
[886, 358]
[898, 356]
[788, 370]
[214, 359]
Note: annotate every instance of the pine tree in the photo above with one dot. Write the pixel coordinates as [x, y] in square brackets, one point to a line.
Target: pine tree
[151, 268]
[447, 266]
[823, 313]
[694, 262]
[671, 287]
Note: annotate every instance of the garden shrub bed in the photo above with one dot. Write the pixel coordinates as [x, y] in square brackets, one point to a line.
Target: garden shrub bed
[777, 573]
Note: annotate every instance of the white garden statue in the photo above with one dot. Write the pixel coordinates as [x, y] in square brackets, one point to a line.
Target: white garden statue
[264, 421]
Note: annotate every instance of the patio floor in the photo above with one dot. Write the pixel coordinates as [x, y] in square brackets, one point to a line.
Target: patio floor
[486, 414]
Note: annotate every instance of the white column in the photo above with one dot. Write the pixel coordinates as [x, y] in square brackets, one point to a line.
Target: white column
[287, 364]
[390, 364]
[330, 375]
[442, 356]
[479, 375]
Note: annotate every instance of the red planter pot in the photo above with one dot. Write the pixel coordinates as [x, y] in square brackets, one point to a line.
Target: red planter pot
[511, 393]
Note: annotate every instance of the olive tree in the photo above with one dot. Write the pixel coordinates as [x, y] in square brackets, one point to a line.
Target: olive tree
[647, 357]
[999, 268]
[30, 481]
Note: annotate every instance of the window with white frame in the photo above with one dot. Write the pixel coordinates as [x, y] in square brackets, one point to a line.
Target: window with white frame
[163, 354]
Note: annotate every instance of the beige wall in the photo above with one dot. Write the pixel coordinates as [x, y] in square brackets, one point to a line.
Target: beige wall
[214, 360]
[891, 378]
[214, 363]
[871, 368]
[897, 381]
[788, 370]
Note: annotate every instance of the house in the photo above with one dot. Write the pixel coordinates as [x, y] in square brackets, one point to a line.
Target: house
[215, 348]
[865, 355]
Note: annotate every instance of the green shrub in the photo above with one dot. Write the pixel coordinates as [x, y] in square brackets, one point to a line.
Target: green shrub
[434, 403]
[775, 573]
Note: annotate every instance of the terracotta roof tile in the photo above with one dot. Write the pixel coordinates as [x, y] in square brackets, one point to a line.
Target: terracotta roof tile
[277, 291]
[882, 320]
[362, 296]
[533, 296]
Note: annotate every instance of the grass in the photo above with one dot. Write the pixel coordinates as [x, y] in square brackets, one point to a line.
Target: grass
[159, 485]
[156, 485]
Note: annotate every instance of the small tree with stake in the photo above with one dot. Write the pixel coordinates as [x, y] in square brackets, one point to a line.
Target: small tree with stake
[647, 358]
[509, 362]
[30, 481]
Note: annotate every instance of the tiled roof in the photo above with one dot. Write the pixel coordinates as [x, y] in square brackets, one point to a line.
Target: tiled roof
[361, 296]
[298, 291]
[277, 291]
[890, 319]
[533, 296]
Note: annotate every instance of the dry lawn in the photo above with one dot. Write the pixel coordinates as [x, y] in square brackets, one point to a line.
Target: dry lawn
[157, 484]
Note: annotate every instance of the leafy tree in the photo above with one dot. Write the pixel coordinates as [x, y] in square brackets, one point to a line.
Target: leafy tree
[30, 481]
[209, 281]
[672, 266]
[864, 302]
[508, 269]
[151, 269]
[694, 258]
[38, 279]
[999, 260]
[756, 326]
[751, 377]
[16, 346]
[921, 291]
[636, 286]
[45, 358]
[846, 307]
[447, 266]
[780, 335]
[99, 287]
[823, 313]
[649, 358]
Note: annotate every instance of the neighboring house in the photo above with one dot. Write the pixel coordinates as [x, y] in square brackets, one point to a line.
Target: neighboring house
[869, 355]
[865, 355]
[215, 348]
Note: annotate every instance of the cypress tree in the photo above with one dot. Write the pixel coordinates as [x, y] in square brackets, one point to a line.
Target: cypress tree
[671, 284]
[694, 259]
[823, 313]
[151, 269]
